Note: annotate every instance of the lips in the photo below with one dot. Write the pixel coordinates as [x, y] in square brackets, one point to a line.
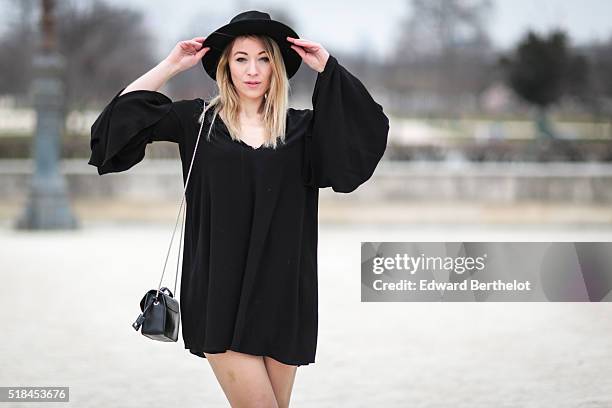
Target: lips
[252, 82]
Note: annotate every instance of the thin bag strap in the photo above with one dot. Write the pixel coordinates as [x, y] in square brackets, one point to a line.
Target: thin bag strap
[180, 209]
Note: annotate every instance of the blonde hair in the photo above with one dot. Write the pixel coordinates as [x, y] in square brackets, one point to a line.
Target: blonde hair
[276, 99]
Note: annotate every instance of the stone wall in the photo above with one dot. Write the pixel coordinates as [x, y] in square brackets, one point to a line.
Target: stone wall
[160, 179]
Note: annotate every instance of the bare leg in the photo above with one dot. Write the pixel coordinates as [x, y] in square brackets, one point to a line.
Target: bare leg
[243, 379]
[282, 377]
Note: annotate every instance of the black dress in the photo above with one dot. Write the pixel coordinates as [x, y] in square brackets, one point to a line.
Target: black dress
[249, 272]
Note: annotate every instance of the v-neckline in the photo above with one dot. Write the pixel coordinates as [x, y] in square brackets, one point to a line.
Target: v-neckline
[239, 141]
[248, 145]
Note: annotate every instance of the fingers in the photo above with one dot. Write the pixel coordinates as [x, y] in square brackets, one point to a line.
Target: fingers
[310, 46]
[300, 51]
[191, 46]
[302, 42]
[195, 41]
[203, 51]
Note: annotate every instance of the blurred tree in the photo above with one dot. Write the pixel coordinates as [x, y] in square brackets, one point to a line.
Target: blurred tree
[599, 93]
[603, 66]
[542, 70]
[105, 47]
[445, 47]
[16, 45]
[444, 27]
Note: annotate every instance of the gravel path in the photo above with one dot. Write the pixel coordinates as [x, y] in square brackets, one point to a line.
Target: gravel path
[67, 307]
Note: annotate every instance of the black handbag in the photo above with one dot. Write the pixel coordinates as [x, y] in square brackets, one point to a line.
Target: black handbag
[160, 317]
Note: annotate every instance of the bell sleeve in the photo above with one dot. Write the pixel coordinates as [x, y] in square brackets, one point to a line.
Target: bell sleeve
[120, 134]
[347, 132]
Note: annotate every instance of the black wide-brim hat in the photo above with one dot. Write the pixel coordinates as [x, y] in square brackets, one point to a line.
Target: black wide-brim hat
[251, 22]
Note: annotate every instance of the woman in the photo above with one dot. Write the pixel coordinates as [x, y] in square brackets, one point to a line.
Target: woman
[249, 274]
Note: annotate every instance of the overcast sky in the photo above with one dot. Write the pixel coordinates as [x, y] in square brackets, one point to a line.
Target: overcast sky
[358, 26]
[354, 25]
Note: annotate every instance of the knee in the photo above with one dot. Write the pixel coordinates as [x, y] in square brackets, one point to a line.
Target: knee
[264, 401]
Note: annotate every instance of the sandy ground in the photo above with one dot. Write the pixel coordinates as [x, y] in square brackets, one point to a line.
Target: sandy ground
[67, 307]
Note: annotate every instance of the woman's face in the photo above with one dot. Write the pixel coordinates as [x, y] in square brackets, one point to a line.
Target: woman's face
[249, 62]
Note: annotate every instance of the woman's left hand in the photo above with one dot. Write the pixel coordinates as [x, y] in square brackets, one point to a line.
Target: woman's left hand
[312, 53]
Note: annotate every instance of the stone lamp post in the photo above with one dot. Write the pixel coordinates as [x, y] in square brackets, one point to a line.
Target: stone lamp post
[48, 206]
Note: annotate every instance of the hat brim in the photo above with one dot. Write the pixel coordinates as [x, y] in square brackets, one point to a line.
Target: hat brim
[220, 38]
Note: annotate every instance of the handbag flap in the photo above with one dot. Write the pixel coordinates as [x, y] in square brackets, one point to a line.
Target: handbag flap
[171, 303]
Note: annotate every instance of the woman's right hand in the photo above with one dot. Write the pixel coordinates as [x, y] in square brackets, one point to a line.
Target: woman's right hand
[186, 54]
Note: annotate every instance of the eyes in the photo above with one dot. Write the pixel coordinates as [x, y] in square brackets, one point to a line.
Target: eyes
[240, 59]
